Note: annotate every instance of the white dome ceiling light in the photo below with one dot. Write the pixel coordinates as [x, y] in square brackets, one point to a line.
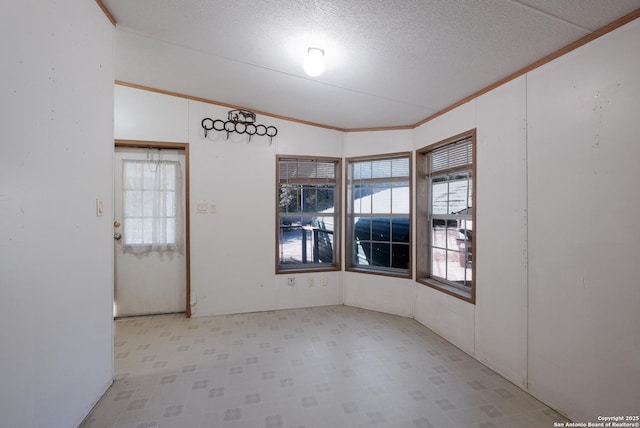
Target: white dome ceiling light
[314, 62]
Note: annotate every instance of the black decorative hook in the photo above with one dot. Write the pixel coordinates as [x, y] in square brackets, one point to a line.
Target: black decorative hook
[242, 122]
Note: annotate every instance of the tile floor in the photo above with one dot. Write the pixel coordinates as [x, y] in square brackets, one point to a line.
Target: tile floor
[334, 366]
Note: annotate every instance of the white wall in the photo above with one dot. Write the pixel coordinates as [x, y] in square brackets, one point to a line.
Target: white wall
[382, 293]
[557, 230]
[584, 203]
[448, 316]
[494, 329]
[233, 249]
[55, 253]
[501, 237]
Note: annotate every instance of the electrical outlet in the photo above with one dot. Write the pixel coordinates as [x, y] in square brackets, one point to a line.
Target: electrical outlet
[291, 281]
[310, 281]
[324, 281]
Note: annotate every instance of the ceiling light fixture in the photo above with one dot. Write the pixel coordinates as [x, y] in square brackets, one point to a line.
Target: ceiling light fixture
[314, 62]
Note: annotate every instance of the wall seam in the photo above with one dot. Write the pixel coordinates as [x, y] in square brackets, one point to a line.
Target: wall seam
[526, 219]
[475, 225]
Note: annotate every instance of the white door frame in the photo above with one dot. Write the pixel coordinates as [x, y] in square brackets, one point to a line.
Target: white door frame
[178, 146]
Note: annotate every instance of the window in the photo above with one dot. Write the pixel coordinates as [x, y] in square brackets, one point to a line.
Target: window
[308, 213]
[151, 201]
[379, 214]
[445, 201]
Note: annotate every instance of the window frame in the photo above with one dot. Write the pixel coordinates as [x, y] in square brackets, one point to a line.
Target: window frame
[423, 207]
[337, 215]
[349, 214]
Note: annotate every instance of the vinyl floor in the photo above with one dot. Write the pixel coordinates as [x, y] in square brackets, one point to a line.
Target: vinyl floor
[322, 367]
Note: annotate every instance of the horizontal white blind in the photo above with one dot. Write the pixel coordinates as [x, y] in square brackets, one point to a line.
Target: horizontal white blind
[454, 155]
[380, 168]
[302, 169]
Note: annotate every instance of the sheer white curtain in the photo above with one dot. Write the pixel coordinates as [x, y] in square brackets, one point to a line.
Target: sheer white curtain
[152, 206]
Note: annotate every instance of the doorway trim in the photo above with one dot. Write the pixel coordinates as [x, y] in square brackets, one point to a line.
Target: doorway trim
[142, 144]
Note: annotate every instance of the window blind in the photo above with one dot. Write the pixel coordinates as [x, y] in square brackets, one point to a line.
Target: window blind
[451, 156]
[300, 169]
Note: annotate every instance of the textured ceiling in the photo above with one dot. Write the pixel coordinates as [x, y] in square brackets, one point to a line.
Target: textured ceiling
[388, 63]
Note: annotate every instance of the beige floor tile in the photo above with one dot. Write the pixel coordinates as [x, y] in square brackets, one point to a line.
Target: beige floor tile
[333, 366]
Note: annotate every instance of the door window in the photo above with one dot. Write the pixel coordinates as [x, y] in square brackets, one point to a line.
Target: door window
[151, 205]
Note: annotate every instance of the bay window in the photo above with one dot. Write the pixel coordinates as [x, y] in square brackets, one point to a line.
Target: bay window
[445, 203]
[379, 214]
[308, 213]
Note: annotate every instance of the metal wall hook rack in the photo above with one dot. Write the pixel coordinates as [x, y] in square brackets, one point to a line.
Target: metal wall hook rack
[240, 121]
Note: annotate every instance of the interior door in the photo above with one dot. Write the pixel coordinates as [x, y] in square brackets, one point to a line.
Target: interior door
[149, 231]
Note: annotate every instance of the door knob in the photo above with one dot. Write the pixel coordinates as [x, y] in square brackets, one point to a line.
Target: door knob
[117, 236]
[116, 223]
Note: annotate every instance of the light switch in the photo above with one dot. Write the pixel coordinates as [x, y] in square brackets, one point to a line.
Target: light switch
[202, 207]
[99, 207]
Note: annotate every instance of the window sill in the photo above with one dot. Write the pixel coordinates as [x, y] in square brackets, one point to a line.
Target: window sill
[381, 272]
[306, 269]
[467, 296]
